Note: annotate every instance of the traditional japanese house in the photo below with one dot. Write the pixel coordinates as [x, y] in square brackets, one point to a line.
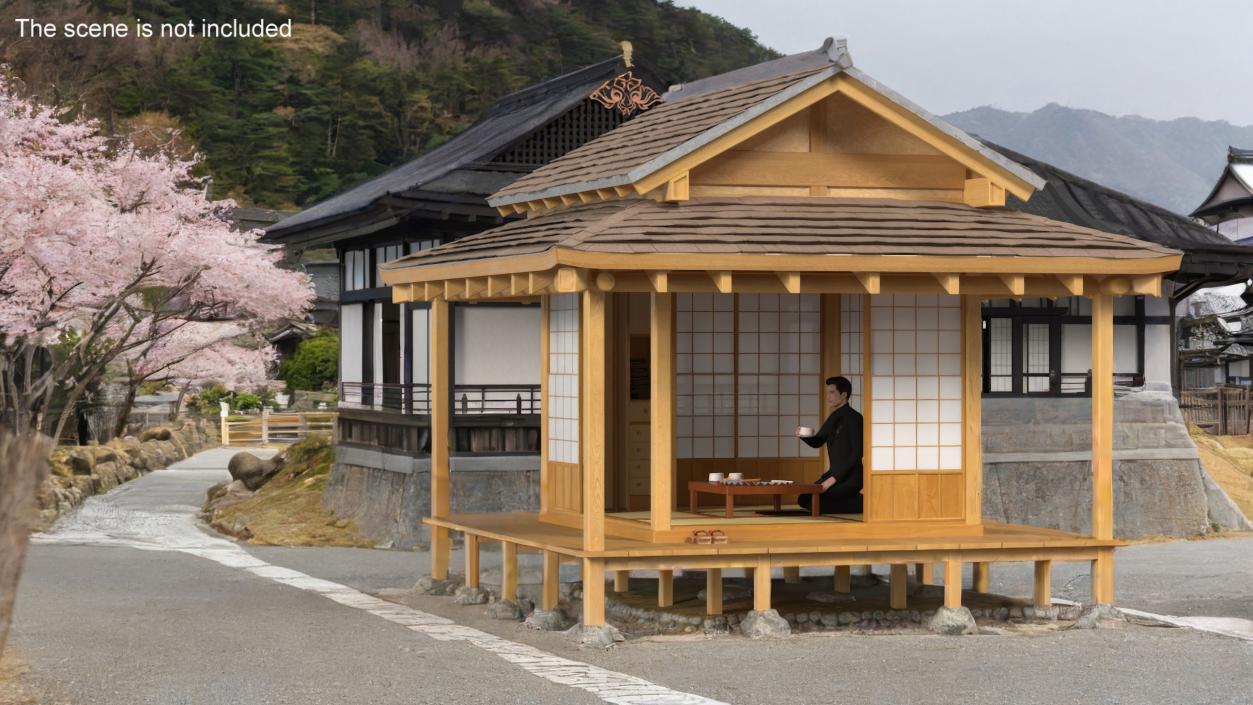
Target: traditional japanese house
[1229, 206]
[437, 198]
[702, 268]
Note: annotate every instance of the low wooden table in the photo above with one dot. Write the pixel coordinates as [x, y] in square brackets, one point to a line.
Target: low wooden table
[730, 490]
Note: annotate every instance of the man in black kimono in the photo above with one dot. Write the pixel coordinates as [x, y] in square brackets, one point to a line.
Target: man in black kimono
[842, 435]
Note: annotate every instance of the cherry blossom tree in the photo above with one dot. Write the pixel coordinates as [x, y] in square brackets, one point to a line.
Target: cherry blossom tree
[106, 252]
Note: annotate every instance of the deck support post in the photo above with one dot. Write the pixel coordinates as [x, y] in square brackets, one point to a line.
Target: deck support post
[621, 581]
[981, 577]
[665, 588]
[972, 407]
[509, 571]
[1043, 594]
[924, 573]
[713, 591]
[844, 579]
[594, 395]
[952, 584]
[441, 480]
[1103, 444]
[761, 585]
[593, 592]
[472, 560]
[792, 574]
[661, 381]
[897, 586]
[552, 581]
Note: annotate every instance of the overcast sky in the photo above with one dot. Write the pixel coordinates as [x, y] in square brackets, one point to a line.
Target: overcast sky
[1156, 58]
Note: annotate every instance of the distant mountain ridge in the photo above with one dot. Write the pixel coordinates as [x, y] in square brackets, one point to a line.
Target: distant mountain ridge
[1173, 163]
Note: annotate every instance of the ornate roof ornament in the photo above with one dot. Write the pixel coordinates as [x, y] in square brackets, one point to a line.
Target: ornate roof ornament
[626, 94]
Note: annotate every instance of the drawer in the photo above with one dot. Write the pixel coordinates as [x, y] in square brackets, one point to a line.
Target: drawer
[637, 412]
[639, 433]
[638, 486]
[638, 469]
[637, 451]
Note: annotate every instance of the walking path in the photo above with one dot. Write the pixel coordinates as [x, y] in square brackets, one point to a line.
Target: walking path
[169, 613]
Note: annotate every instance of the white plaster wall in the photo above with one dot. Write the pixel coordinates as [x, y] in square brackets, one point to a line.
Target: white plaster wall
[350, 326]
[421, 326]
[1157, 353]
[1076, 348]
[377, 346]
[1240, 368]
[497, 345]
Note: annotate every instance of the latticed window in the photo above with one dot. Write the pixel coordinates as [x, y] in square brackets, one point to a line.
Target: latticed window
[582, 123]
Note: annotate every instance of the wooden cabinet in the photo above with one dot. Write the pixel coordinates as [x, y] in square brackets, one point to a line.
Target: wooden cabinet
[638, 433]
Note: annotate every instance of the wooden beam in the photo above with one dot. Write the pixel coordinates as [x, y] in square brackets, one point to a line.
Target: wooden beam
[1072, 282]
[1015, 284]
[474, 286]
[453, 288]
[586, 196]
[545, 474]
[897, 586]
[972, 408]
[497, 285]
[1103, 442]
[761, 585]
[924, 573]
[1042, 596]
[792, 574]
[538, 283]
[593, 416]
[519, 284]
[950, 283]
[791, 281]
[570, 280]
[665, 588]
[723, 281]
[982, 193]
[509, 571]
[677, 188]
[441, 437]
[662, 395]
[981, 577]
[844, 579]
[1147, 286]
[660, 281]
[621, 581]
[1117, 286]
[869, 281]
[472, 560]
[605, 281]
[552, 581]
[713, 591]
[952, 584]
[593, 592]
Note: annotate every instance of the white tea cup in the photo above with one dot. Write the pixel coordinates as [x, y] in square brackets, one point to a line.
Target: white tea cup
[736, 476]
[804, 431]
[715, 477]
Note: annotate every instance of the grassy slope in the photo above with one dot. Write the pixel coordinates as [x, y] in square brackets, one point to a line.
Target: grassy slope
[1229, 460]
[287, 510]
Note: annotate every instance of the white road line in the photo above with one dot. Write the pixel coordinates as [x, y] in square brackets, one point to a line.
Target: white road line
[186, 537]
[1233, 627]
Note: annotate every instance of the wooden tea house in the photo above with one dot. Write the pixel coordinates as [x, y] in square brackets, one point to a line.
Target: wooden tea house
[703, 268]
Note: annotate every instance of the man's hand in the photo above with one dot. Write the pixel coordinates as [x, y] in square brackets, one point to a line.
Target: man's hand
[826, 484]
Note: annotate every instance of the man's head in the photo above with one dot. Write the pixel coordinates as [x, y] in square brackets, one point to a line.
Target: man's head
[839, 389]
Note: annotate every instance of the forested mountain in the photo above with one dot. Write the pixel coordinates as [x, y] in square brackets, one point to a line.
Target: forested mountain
[361, 86]
[1173, 163]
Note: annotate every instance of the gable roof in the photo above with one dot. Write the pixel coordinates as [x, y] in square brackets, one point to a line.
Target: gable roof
[696, 114]
[1074, 199]
[1232, 195]
[508, 121]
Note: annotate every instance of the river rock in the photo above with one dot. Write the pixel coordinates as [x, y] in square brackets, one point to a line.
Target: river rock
[466, 595]
[601, 637]
[764, 624]
[953, 621]
[251, 470]
[548, 620]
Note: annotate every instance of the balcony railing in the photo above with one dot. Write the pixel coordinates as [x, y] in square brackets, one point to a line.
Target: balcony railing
[468, 399]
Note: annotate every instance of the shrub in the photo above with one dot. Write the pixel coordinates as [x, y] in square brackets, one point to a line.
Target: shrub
[315, 364]
[246, 402]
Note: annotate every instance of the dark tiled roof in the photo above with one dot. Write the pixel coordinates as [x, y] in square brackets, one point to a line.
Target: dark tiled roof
[798, 226]
[509, 120]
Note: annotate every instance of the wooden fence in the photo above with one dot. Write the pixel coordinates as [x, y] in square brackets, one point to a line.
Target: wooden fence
[274, 427]
[1223, 410]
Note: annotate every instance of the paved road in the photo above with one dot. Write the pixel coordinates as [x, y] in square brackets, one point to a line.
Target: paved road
[128, 601]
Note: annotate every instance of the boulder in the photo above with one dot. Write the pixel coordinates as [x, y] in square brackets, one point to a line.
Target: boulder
[1094, 616]
[600, 637]
[548, 620]
[251, 470]
[157, 433]
[953, 621]
[225, 494]
[82, 460]
[427, 585]
[765, 624]
[507, 610]
[466, 595]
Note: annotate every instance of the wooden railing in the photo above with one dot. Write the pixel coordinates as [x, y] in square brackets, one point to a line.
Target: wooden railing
[468, 399]
[274, 427]
[1222, 410]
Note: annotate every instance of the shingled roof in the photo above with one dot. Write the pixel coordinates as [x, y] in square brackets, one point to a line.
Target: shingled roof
[450, 172]
[1232, 195]
[695, 114]
[791, 226]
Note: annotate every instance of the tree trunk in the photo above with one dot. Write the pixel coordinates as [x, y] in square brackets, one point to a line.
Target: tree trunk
[178, 403]
[132, 388]
[23, 466]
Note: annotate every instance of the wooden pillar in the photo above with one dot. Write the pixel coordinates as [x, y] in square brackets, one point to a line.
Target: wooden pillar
[897, 585]
[952, 584]
[761, 585]
[441, 479]
[1103, 443]
[593, 592]
[1043, 595]
[792, 574]
[472, 560]
[665, 588]
[925, 573]
[713, 591]
[972, 406]
[545, 480]
[509, 571]
[661, 381]
[593, 420]
[981, 577]
[552, 581]
[621, 581]
[844, 578]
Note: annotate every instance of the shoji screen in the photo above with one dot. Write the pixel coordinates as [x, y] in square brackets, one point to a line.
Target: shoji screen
[563, 378]
[705, 375]
[780, 383]
[852, 345]
[916, 383]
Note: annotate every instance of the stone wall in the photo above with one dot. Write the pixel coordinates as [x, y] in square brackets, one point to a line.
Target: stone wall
[79, 472]
[1037, 468]
[388, 494]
